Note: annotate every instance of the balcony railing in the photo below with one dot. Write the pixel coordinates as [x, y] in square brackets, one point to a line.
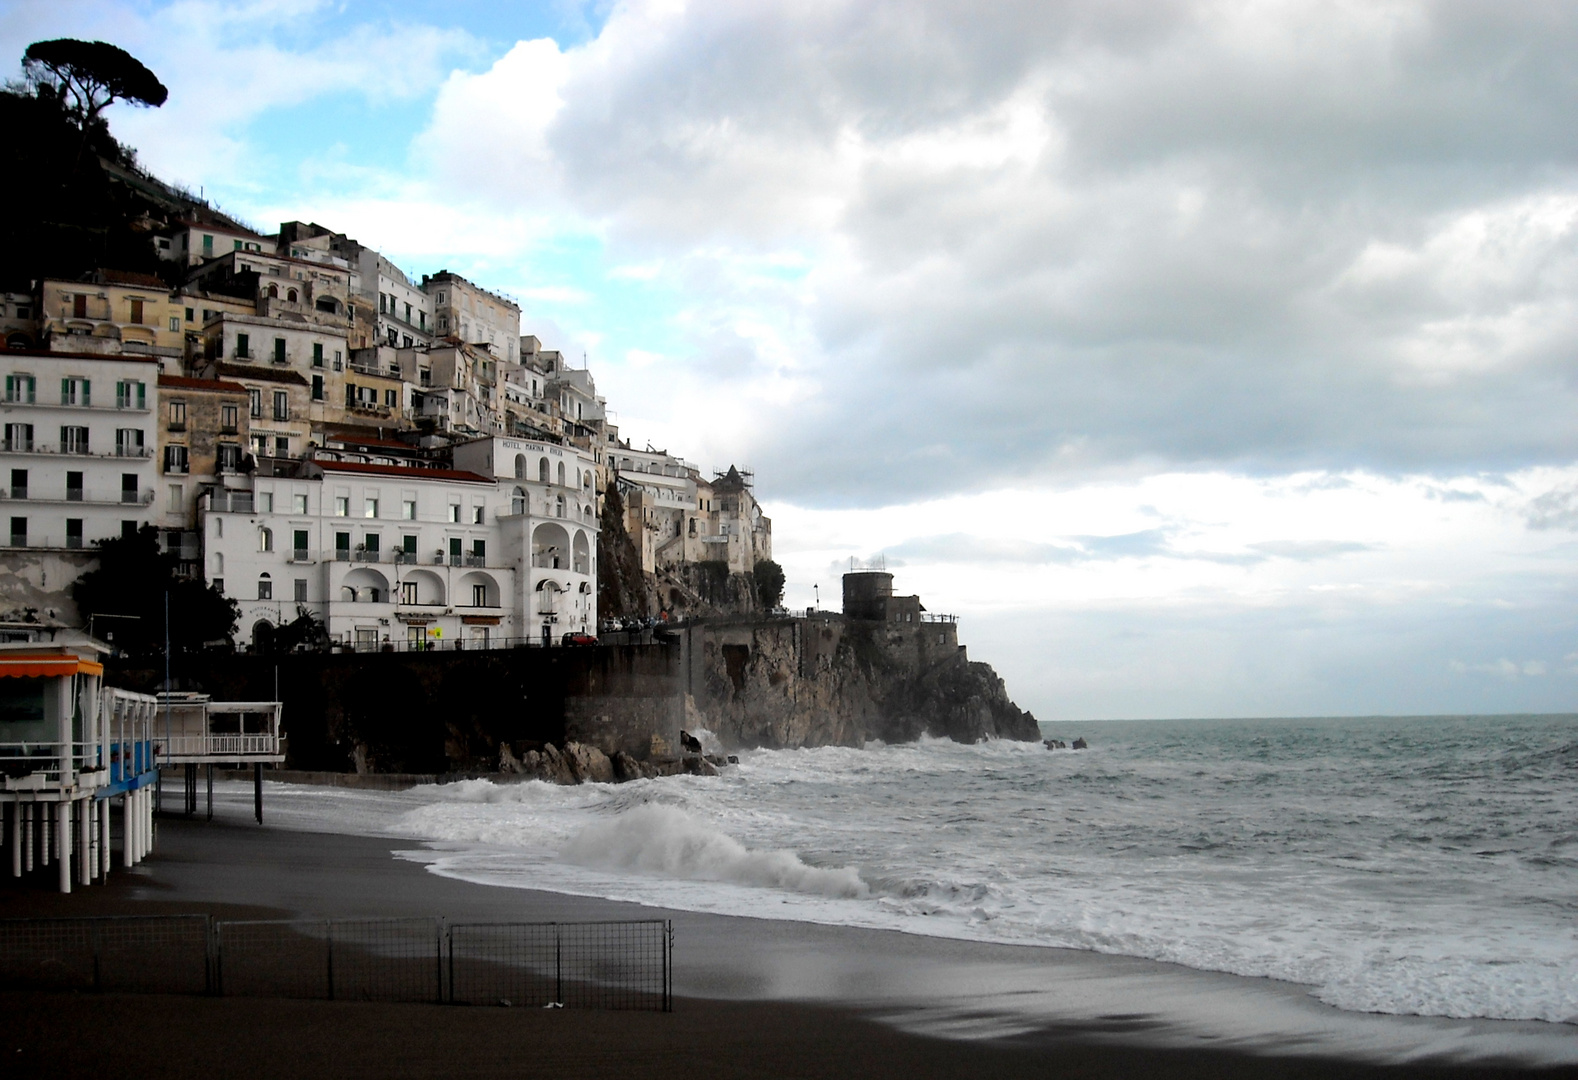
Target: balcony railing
[476, 560]
[363, 555]
[230, 502]
[261, 744]
[406, 558]
[77, 495]
[301, 555]
[19, 446]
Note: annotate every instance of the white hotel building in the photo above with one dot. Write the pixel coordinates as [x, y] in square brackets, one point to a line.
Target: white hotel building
[499, 550]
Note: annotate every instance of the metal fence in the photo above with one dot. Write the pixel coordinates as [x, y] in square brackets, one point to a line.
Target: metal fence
[602, 965]
[164, 954]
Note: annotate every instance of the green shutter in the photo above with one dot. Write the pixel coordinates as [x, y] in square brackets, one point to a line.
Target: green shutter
[142, 396]
[65, 391]
[87, 393]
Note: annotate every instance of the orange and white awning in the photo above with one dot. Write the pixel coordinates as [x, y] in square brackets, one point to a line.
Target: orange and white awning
[35, 665]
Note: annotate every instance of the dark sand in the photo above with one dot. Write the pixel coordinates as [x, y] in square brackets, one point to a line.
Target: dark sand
[758, 997]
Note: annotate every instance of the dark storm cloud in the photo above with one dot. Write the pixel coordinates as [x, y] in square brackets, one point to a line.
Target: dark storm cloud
[1061, 240]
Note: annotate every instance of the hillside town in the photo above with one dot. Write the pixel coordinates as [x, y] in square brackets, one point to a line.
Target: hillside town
[323, 436]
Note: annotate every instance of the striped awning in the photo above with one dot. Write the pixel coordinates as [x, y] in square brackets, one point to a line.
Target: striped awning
[34, 665]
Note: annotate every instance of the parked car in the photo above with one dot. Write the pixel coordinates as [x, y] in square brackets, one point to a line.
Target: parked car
[579, 639]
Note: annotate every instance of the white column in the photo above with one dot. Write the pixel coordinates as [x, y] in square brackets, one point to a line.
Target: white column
[101, 807]
[147, 822]
[45, 812]
[63, 843]
[16, 839]
[128, 831]
[27, 837]
[85, 841]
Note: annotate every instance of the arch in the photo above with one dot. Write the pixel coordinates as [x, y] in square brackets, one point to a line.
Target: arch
[467, 590]
[548, 597]
[219, 564]
[265, 539]
[263, 636]
[429, 586]
[558, 506]
[273, 292]
[586, 513]
[19, 340]
[518, 502]
[290, 294]
[542, 471]
[582, 554]
[586, 480]
[561, 474]
[550, 547]
[367, 585]
[520, 466]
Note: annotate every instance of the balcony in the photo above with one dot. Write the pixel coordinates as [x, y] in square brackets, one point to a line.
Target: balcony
[230, 502]
[116, 497]
[302, 555]
[366, 555]
[406, 558]
[476, 560]
[176, 425]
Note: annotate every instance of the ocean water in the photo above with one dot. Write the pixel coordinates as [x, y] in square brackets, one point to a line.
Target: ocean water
[1424, 865]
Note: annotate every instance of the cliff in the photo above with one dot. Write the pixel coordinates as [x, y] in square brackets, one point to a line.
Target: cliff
[826, 680]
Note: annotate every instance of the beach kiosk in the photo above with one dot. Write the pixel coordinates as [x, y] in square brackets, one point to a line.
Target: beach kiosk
[196, 730]
[68, 749]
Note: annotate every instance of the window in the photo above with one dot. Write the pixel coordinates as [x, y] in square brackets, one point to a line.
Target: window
[281, 405]
[136, 312]
[19, 438]
[542, 471]
[76, 392]
[73, 440]
[408, 313]
[370, 543]
[19, 532]
[18, 483]
[175, 459]
[131, 395]
[301, 590]
[342, 506]
[282, 446]
[479, 551]
[476, 515]
[79, 306]
[265, 588]
[189, 315]
[338, 359]
[454, 512]
[229, 417]
[73, 487]
[243, 347]
[175, 323]
[298, 543]
[408, 509]
[479, 596]
[73, 532]
[177, 498]
[255, 404]
[370, 508]
[265, 543]
[408, 592]
[20, 389]
[391, 398]
[317, 354]
[279, 350]
[408, 545]
[561, 474]
[177, 416]
[299, 504]
[317, 388]
[228, 457]
[219, 584]
[208, 245]
[128, 442]
[265, 502]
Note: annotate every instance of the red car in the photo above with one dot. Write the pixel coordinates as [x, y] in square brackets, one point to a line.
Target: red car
[579, 639]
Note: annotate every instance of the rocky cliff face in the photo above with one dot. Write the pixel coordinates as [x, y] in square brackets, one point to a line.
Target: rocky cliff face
[824, 680]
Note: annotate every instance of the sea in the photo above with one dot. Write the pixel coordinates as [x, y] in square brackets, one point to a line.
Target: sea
[1407, 865]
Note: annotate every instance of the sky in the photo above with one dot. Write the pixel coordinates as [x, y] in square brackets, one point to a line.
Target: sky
[1207, 358]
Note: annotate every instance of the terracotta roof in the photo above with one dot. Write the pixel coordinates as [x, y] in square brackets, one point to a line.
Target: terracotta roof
[136, 358]
[402, 471]
[262, 374]
[181, 382]
[129, 277]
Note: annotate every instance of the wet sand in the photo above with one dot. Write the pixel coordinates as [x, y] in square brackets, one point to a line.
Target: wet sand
[755, 996]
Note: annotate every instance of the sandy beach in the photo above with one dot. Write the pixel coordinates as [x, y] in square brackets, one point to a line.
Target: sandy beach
[755, 995]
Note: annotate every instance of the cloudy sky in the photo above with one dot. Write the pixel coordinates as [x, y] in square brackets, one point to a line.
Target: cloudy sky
[1207, 358]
